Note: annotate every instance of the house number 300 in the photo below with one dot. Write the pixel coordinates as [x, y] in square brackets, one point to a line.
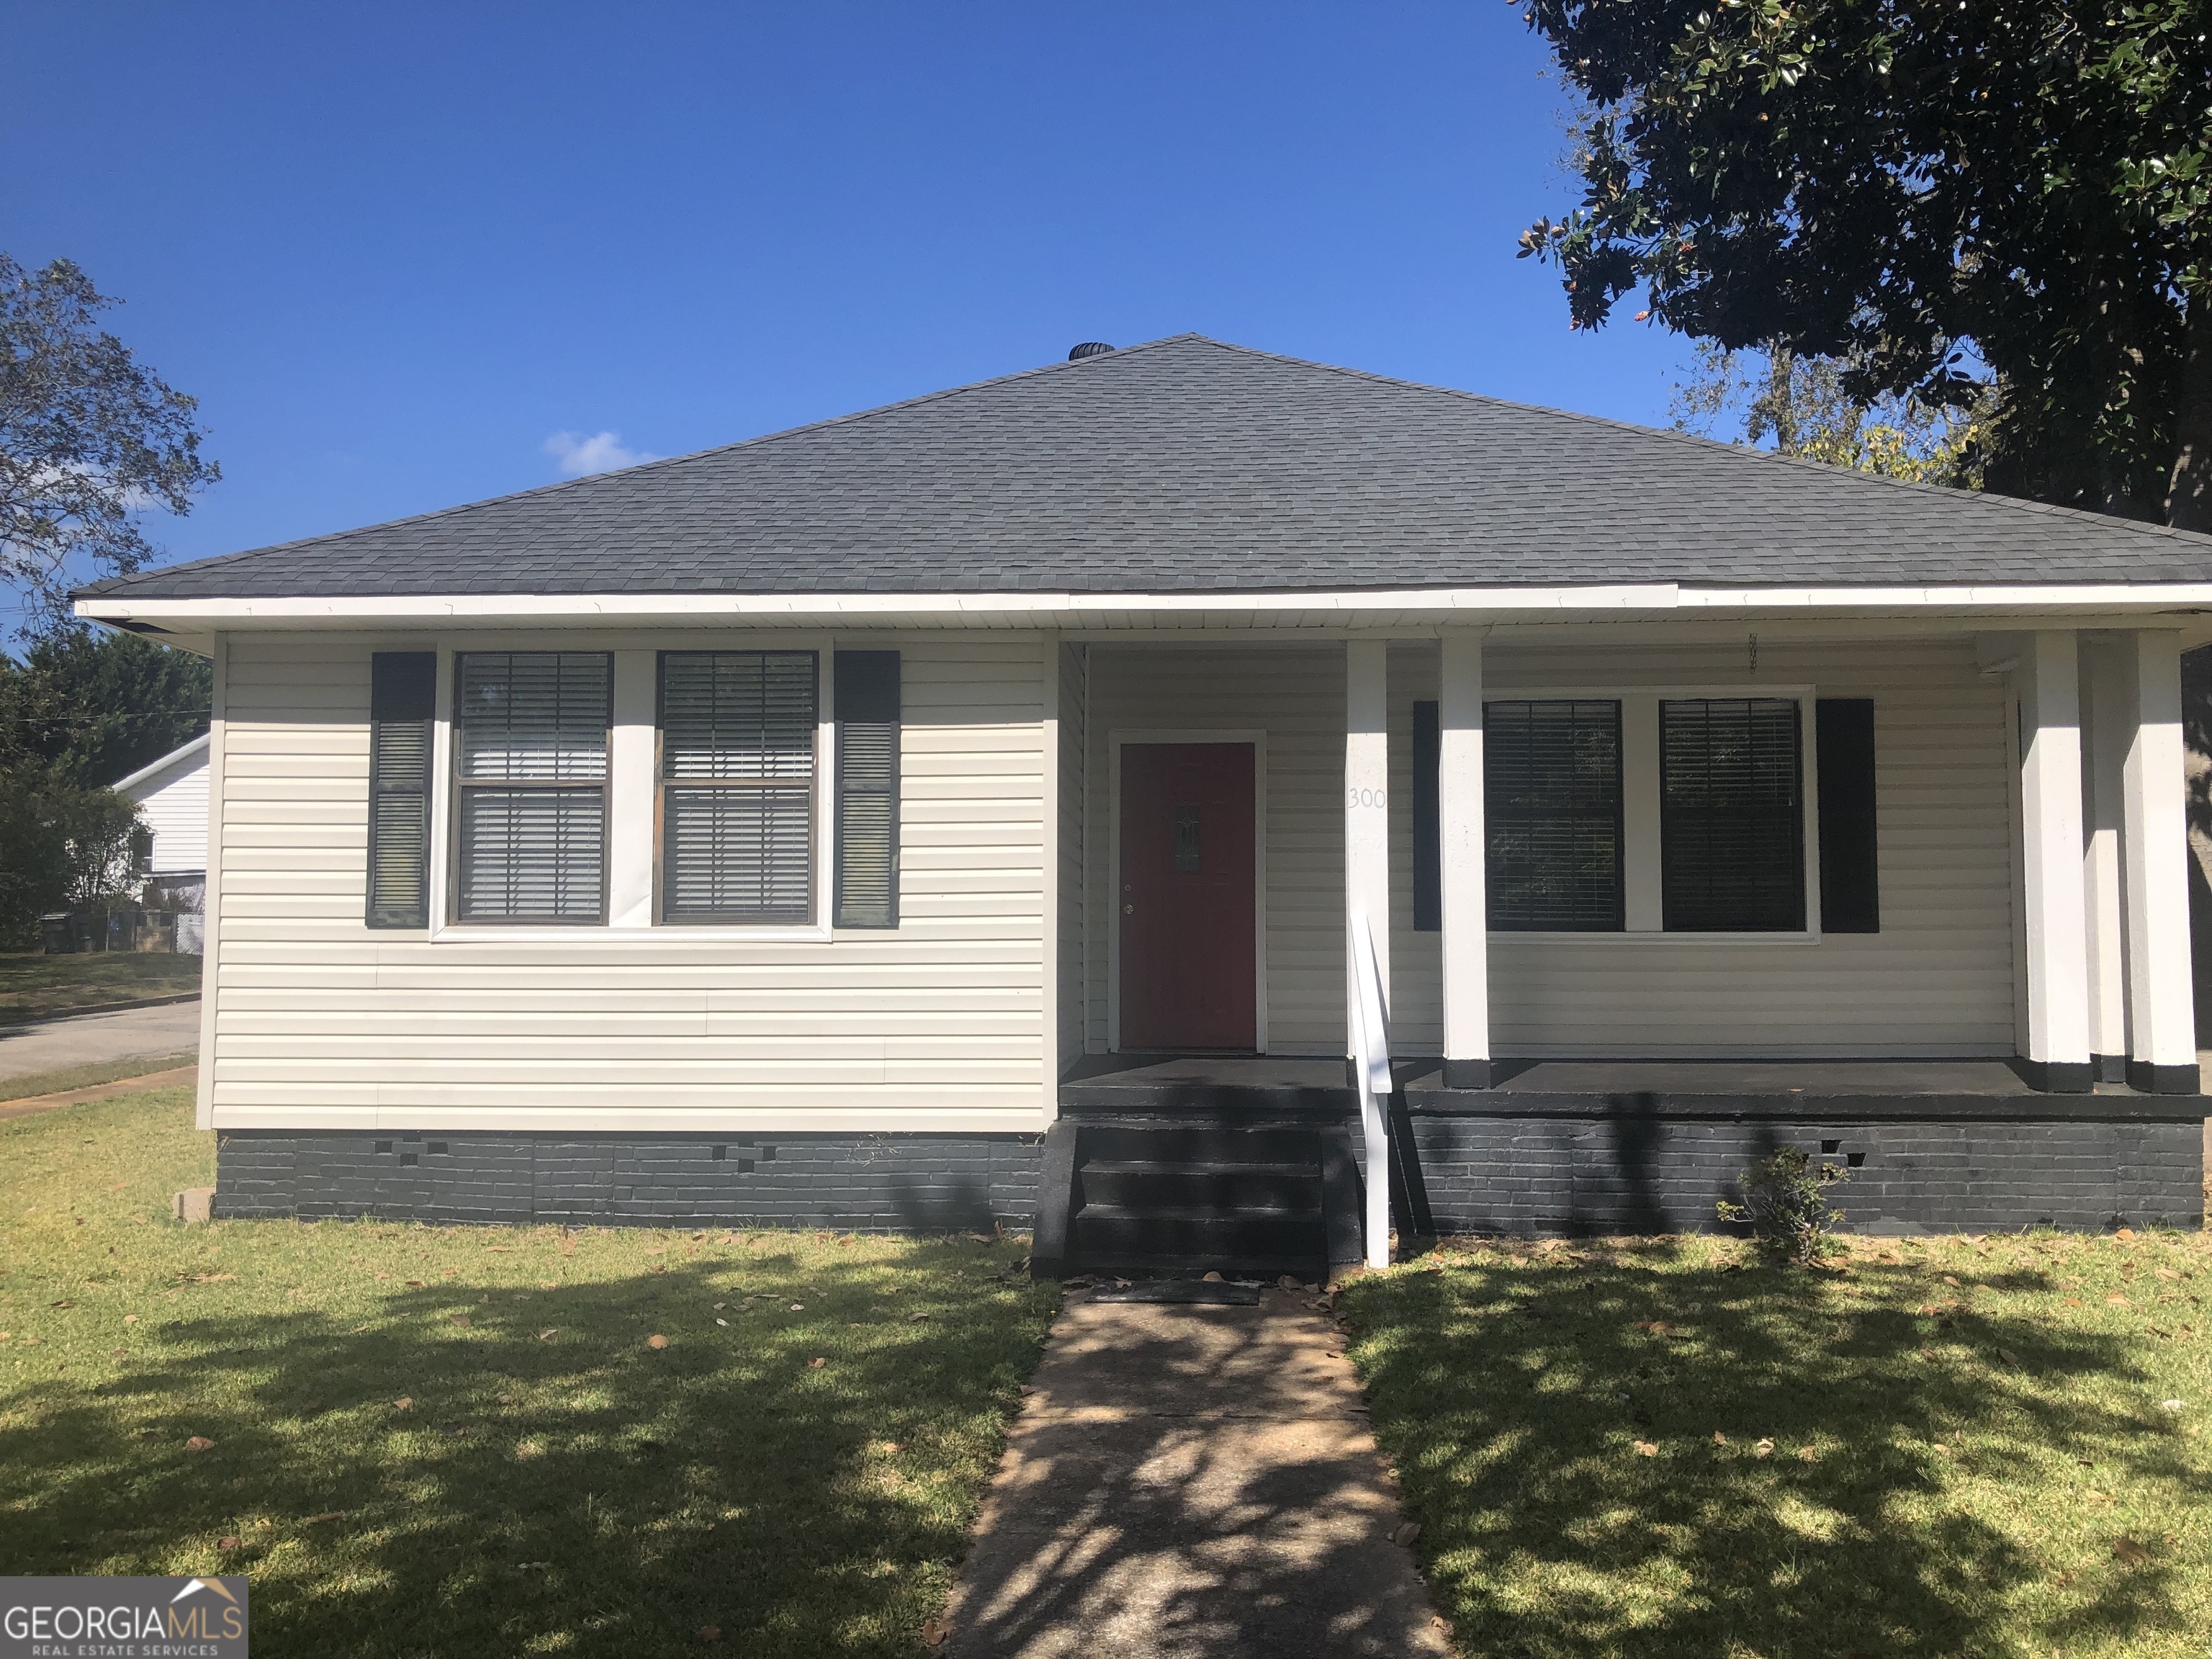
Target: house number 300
[1371, 797]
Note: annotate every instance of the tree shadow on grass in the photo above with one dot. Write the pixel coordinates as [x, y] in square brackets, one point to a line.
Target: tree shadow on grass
[580, 1492]
[1556, 1429]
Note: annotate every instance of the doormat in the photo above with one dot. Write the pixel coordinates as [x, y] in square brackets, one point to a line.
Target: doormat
[1215, 1294]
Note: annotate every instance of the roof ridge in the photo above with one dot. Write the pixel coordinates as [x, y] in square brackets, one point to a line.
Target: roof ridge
[1946, 492]
[118, 584]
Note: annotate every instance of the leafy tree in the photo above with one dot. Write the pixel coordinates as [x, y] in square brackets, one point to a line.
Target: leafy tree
[1933, 192]
[93, 705]
[88, 438]
[1801, 405]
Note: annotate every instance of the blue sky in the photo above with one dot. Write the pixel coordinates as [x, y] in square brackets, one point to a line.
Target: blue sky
[395, 250]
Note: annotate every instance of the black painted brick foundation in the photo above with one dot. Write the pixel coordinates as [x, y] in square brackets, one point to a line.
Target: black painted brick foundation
[1545, 1173]
[1643, 1175]
[861, 1183]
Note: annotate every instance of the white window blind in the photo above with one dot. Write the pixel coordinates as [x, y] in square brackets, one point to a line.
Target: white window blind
[737, 783]
[530, 753]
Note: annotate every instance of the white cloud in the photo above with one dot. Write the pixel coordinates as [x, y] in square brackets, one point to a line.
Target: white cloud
[603, 451]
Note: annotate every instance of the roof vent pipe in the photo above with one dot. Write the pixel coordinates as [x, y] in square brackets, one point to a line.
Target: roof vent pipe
[1088, 349]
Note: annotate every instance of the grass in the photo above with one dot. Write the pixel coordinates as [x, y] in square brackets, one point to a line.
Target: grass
[33, 985]
[449, 1442]
[32, 1085]
[1944, 1447]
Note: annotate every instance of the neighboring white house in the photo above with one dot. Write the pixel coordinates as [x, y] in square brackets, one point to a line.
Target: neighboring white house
[911, 819]
[172, 793]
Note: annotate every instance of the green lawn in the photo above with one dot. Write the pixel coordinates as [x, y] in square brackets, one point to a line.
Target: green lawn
[1663, 1448]
[33, 984]
[465, 1442]
[30, 1084]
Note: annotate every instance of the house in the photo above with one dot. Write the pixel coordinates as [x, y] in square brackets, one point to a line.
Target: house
[170, 794]
[986, 808]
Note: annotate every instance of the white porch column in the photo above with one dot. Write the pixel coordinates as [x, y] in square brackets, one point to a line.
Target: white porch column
[2161, 1015]
[1367, 798]
[1465, 891]
[2057, 1046]
[2108, 728]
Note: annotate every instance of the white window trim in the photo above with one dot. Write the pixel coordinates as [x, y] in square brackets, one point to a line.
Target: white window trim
[1257, 737]
[642, 812]
[1642, 904]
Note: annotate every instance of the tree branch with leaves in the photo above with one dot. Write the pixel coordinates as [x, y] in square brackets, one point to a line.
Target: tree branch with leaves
[1916, 188]
[89, 439]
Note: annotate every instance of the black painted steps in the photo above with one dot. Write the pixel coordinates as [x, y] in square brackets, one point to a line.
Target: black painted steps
[1180, 1195]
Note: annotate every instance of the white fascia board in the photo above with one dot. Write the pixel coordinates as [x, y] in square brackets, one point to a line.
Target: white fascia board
[197, 746]
[1308, 609]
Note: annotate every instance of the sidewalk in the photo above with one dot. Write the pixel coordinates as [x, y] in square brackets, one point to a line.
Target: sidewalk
[54, 1045]
[1191, 1482]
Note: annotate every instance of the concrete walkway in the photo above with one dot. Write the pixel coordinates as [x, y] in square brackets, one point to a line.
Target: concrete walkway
[54, 1045]
[1192, 1481]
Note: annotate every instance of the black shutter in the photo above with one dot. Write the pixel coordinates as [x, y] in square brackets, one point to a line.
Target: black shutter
[868, 684]
[1428, 820]
[403, 687]
[1552, 814]
[1731, 814]
[1850, 893]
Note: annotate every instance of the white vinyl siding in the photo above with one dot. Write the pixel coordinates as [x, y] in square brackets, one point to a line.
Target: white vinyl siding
[1075, 827]
[940, 1025]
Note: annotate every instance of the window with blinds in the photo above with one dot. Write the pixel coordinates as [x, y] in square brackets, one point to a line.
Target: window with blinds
[1551, 800]
[403, 692]
[1731, 814]
[736, 785]
[867, 711]
[530, 765]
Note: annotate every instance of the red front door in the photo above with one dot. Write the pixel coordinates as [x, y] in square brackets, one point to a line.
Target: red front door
[1186, 899]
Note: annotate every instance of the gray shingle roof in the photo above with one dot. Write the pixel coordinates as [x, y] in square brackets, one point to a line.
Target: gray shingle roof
[1189, 465]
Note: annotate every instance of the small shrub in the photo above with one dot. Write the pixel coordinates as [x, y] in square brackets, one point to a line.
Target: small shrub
[1785, 1204]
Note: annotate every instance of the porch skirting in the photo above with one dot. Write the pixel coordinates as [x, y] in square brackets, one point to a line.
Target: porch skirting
[1555, 1174]
[853, 1182]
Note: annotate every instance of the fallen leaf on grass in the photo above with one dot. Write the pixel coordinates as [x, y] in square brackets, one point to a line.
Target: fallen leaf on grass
[2166, 1273]
[723, 1323]
[2125, 1233]
[199, 1442]
[1406, 1534]
[1645, 1449]
[1808, 1454]
[2073, 1300]
[2116, 1300]
[498, 1249]
[130, 1319]
[461, 1320]
[414, 1284]
[815, 1363]
[934, 1630]
[232, 1542]
[656, 1340]
[2009, 1356]
[118, 1186]
[61, 1305]
[710, 1632]
[317, 1520]
[2129, 1551]
[1762, 1449]
[547, 1336]
[1951, 1282]
[1719, 1439]
[2092, 1495]
[799, 1307]
[404, 1403]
